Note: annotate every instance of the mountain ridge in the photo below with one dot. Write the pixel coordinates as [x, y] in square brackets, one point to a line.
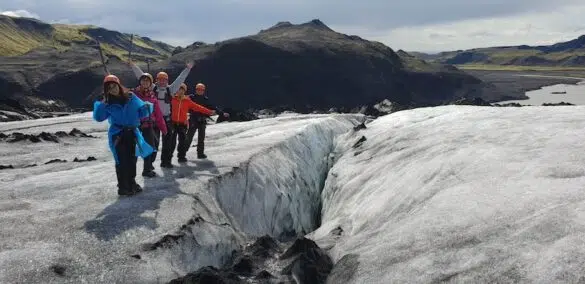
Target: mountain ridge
[23, 35]
[302, 67]
[566, 54]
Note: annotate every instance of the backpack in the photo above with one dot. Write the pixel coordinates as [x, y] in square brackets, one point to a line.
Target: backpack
[168, 96]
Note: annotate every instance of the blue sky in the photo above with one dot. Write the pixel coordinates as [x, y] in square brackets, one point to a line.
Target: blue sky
[413, 25]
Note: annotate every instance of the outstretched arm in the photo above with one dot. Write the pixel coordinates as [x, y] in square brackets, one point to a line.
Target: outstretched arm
[180, 79]
[198, 108]
[209, 104]
[137, 71]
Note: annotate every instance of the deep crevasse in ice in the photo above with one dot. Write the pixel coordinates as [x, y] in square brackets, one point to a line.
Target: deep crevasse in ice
[277, 192]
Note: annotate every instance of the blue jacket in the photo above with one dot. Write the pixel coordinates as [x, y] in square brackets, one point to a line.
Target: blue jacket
[127, 115]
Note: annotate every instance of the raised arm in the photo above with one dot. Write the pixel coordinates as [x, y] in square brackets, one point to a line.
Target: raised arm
[137, 71]
[180, 79]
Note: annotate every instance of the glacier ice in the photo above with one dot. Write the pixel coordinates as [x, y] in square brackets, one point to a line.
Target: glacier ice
[460, 194]
[454, 193]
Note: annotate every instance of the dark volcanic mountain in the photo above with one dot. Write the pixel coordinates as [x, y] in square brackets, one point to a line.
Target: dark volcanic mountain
[311, 66]
[302, 67]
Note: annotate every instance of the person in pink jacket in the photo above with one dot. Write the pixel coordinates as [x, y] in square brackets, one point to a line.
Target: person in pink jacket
[153, 125]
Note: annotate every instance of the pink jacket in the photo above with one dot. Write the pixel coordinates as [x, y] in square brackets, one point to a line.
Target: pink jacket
[156, 116]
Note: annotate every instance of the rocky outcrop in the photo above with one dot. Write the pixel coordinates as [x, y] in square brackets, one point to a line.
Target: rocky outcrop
[471, 102]
[303, 262]
[43, 136]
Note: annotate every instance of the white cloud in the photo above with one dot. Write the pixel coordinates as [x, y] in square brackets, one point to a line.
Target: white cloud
[562, 24]
[20, 14]
[61, 21]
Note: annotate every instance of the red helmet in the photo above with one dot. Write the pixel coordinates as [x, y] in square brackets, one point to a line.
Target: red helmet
[114, 79]
[111, 78]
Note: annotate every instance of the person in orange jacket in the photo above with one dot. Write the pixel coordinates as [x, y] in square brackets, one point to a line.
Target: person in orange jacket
[180, 107]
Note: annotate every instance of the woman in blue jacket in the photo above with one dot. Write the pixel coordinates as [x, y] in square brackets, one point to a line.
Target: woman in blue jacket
[123, 110]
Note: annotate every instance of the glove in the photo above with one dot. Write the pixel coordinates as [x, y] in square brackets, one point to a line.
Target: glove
[101, 98]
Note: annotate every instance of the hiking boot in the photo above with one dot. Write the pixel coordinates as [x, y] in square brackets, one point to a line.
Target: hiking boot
[125, 192]
[182, 160]
[201, 156]
[136, 188]
[149, 174]
[166, 165]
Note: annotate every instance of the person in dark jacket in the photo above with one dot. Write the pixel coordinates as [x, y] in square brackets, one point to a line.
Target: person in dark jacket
[198, 122]
[123, 110]
[180, 107]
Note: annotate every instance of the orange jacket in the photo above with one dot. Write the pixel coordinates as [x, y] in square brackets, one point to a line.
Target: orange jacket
[181, 107]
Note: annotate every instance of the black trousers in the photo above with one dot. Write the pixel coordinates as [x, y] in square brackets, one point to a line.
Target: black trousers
[175, 131]
[152, 137]
[167, 142]
[198, 126]
[125, 144]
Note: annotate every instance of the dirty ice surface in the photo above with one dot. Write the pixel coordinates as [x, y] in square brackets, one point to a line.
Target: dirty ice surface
[460, 194]
[64, 222]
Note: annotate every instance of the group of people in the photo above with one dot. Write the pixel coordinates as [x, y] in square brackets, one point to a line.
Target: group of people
[140, 115]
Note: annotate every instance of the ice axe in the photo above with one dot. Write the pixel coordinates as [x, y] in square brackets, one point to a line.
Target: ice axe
[102, 57]
[106, 71]
[131, 46]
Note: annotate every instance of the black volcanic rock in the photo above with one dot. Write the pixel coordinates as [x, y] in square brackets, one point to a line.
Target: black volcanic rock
[311, 263]
[236, 115]
[55, 161]
[43, 136]
[264, 247]
[558, 104]
[3, 167]
[208, 275]
[471, 102]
